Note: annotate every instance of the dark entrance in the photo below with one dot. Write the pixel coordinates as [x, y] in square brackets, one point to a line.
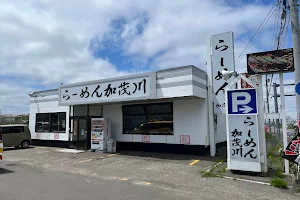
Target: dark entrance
[80, 126]
[78, 138]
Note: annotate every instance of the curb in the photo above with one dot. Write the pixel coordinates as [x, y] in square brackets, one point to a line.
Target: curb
[249, 181]
[239, 179]
[245, 180]
[214, 166]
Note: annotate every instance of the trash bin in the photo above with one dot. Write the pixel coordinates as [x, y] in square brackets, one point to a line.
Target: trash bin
[110, 145]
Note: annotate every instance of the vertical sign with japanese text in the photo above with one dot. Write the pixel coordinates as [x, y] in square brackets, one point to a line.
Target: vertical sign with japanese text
[243, 134]
[242, 130]
[222, 57]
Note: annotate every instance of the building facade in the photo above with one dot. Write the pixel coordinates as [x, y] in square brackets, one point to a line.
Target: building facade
[167, 106]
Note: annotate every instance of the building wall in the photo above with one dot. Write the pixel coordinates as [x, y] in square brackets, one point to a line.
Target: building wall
[47, 102]
[189, 115]
[181, 82]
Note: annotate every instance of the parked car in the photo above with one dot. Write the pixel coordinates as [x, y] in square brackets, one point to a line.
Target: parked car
[16, 135]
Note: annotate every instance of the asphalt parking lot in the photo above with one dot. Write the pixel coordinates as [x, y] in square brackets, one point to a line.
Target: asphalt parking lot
[128, 165]
[172, 173]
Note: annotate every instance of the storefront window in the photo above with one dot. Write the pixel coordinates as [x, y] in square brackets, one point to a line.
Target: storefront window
[50, 122]
[135, 124]
[42, 122]
[148, 119]
[58, 122]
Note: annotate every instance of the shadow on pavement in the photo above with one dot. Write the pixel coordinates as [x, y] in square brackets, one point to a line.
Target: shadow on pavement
[167, 156]
[15, 149]
[5, 171]
[169, 151]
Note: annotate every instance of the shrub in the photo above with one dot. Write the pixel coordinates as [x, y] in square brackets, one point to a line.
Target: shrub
[279, 183]
[279, 174]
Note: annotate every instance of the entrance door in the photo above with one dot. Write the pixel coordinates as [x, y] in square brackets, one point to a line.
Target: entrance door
[82, 133]
[78, 136]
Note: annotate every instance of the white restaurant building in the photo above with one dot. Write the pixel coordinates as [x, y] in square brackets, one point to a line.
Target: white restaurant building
[167, 107]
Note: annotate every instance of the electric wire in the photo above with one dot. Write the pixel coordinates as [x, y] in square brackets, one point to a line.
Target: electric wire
[277, 17]
[256, 33]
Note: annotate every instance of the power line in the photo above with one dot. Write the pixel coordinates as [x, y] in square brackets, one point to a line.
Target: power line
[256, 33]
[286, 30]
[277, 17]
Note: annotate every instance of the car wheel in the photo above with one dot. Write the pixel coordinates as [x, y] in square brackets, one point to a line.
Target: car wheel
[25, 144]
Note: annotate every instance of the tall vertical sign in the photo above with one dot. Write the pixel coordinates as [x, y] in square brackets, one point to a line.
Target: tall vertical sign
[242, 130]
[220, 57]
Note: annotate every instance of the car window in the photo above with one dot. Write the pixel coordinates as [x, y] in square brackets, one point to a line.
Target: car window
[13, 129]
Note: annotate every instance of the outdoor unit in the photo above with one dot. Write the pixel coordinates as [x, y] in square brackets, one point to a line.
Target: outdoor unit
[100, 133]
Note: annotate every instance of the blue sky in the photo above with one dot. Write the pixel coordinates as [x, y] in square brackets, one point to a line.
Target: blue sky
[45, 43]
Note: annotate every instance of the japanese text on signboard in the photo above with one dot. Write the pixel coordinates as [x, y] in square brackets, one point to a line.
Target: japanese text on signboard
[222, 59]
[106, 91]
[243, 138]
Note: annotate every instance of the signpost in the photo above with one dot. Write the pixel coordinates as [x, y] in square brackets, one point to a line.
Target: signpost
[242, 130]
[220, 56]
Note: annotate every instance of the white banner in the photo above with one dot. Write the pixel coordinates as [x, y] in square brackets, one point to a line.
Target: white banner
[109, 90]
[222, 57]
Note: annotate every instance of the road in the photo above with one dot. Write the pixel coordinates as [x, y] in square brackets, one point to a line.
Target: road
[33, 183]
[47, 173]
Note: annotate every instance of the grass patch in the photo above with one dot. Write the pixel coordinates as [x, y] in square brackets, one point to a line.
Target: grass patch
[222, 170]
[297, 189]
[213, 172]
[269, 136]
[279, 183]
[279, 173]
[210, 173]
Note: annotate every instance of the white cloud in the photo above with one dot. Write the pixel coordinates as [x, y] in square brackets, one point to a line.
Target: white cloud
[47, 42]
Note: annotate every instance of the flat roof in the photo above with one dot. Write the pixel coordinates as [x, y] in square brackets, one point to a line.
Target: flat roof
[111, 78]
[8, 125]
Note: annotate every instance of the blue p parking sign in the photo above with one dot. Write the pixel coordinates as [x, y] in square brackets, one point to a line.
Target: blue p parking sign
[242, 101]
[297, 88]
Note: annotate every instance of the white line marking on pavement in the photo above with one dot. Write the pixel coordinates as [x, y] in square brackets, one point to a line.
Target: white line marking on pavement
[83, 161]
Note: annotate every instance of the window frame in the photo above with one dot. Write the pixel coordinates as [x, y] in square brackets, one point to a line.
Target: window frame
[171, 113]
[51, 122]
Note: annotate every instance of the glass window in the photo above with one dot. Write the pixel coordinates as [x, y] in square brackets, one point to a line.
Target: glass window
[50, 122]
[42, 122]
[135, 124]
[4, 130]
[159, 108]
[135, 110]
[158, 124]
[54, 122]
[62, 122]
[158, 119]
[80, 110]
[15, 129]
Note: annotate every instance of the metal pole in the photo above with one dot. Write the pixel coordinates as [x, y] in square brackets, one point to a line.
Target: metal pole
[268, 104]
[210, 102]
[276, 108]
[283, 115]
[296, 46]
[261, 130]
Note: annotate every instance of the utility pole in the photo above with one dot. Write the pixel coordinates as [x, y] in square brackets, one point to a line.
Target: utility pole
[296, 46]
[268, 104]
[275, 85]
[296, 52]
